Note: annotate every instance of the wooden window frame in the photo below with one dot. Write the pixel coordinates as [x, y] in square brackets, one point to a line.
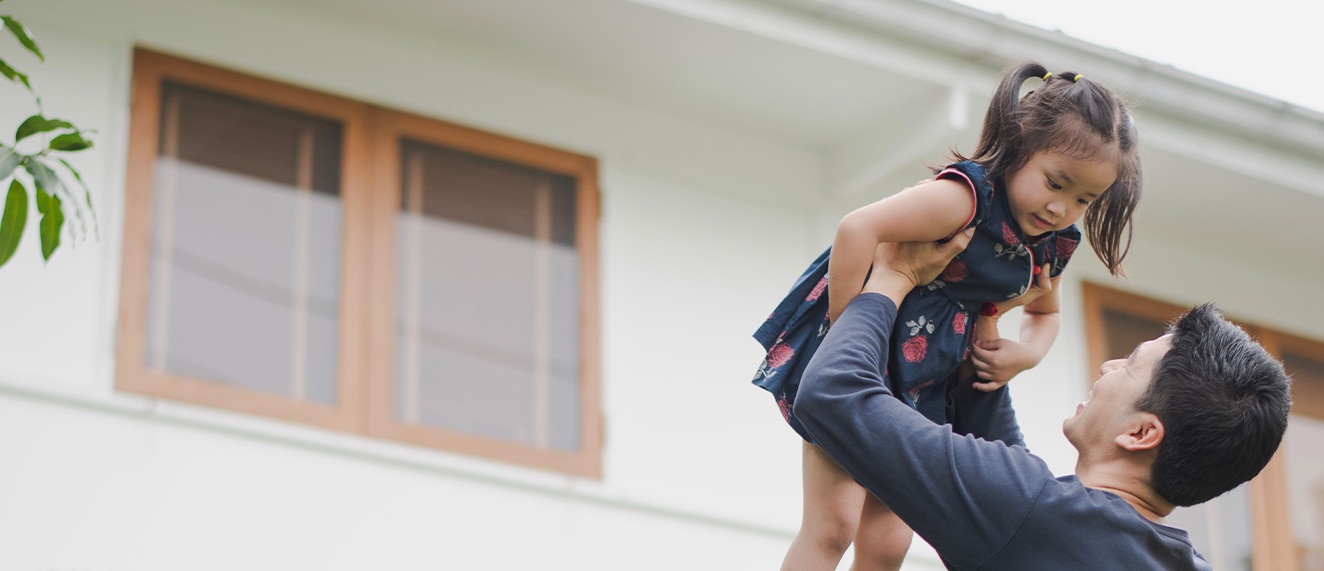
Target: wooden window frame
[131, 371]
[390, 128]
[370, 199]
[1272, 543]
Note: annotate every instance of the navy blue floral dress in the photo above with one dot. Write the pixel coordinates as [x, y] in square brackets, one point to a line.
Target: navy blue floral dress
[932, 334]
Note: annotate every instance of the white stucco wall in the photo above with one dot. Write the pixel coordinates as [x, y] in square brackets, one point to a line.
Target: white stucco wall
[696, 471]
[703, 229]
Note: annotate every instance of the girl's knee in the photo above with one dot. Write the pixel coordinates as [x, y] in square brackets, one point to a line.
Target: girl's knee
[881, 540]
[833, 534]
[882, 548]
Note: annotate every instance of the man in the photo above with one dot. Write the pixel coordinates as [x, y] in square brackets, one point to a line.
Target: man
[1183, 419]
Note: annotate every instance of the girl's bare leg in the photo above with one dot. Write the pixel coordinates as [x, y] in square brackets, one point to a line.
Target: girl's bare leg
[831, 518]
[882, 539]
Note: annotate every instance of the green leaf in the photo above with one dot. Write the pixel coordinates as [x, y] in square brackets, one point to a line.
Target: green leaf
[38, 124]
[9, 160]
[52, 220]
[67, 197]
[87, 194]
[42, 175]
[42, 198]
[70, 142]
[13, 220]
[24, 36]
[14, 75]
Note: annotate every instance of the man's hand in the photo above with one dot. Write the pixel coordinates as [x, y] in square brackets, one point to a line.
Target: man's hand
[899, 267]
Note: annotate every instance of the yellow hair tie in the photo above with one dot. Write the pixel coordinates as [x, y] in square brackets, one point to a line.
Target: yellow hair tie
[1047, 75]
[1077, 78]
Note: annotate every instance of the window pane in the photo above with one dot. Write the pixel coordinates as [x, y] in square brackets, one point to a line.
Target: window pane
[488, 339]
[246, 233]
[1302, 459]
[1125, 331]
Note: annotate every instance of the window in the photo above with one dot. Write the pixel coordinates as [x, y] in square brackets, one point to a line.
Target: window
[1300, 474]
[1276, 522]
[296, 255]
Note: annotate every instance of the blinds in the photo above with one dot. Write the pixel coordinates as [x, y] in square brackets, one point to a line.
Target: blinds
[246, 249]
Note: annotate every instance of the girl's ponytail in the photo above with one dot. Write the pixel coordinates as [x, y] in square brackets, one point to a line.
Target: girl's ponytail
[999, 141]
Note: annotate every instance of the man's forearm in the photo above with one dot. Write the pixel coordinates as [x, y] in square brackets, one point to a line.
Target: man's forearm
[917, 468]
[890, 284]
[848, 365]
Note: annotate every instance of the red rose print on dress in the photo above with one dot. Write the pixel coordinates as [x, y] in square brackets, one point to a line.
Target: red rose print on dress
[818, 290]
[1065, 247]
[914, 393]
[779, 354]
[958, 324]
[1009, 236]
[1012, 248]
[785, 408]
[955, 272]
[913, 349]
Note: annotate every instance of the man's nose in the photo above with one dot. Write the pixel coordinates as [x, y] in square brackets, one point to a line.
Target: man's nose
[1110, 366]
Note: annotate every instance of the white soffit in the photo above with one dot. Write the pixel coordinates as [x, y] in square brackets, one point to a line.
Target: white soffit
[827, 73]
[735, 64]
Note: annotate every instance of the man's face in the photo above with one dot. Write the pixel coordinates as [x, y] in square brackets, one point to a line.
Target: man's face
[1110, 410]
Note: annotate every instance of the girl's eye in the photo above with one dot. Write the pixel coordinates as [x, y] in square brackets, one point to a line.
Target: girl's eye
[1083, 202]
[1053, 184]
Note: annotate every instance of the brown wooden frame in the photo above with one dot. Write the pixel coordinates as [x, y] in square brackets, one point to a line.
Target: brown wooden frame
[131, 372]
[390, 127]
[369, 195]
[1272, 536]
[1096, 299]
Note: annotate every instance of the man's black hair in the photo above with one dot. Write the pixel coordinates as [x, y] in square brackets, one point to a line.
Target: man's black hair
[1223, 401]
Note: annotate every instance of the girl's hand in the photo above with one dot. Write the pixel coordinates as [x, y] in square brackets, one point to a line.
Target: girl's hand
[998, 360]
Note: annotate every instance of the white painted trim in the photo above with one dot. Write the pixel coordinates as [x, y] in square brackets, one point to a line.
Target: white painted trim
[814, 33]
[927, 39]
[167, 413]
[993, 38]
[1215, 148]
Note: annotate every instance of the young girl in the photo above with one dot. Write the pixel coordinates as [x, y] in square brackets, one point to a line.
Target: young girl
[1044, 160]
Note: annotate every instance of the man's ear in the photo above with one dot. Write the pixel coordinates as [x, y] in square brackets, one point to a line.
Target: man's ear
[1146, 433]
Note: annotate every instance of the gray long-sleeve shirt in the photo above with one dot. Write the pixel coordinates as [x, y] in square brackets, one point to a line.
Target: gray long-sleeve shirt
[982, 505]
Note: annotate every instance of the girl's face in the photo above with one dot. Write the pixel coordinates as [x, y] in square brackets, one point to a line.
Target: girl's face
[1052, 190]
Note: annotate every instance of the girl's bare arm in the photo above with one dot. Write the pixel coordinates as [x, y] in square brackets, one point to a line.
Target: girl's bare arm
[922, 213]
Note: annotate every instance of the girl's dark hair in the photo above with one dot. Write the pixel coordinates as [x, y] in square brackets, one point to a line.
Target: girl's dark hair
[1075, 116]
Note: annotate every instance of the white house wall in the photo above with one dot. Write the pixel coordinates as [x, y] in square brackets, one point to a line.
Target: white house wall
[703, 229]
[698, 235]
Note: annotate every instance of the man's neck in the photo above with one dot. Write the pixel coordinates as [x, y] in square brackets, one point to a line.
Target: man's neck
[1127, 481]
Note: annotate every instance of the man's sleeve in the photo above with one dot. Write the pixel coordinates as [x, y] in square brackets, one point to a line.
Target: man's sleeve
[963, 495]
